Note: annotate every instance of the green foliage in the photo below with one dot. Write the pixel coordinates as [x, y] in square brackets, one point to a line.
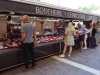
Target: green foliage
[89, 8]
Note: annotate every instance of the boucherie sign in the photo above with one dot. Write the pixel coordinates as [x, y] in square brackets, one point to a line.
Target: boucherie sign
[62, 13]
[47, 11]
[38, 9]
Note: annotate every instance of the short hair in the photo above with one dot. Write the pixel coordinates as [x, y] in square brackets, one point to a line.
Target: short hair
[79, 24]
[26, 18]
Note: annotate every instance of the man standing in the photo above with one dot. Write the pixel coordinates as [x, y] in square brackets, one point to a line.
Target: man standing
[82, 31]
[27, 38]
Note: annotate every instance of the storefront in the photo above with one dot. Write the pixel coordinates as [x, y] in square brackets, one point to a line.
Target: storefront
[49, 21]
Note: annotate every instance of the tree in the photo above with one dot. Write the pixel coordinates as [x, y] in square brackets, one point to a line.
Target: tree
[90, 8]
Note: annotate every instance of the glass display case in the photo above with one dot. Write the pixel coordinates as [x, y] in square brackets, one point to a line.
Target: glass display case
[49, 33]
[51, 30]
[47, 30]
[9, 37]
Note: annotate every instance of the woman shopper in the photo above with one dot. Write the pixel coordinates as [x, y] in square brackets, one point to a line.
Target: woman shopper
[92, 39]
[69, 39]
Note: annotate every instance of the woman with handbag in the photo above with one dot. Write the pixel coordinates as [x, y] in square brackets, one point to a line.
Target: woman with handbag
[69, 39]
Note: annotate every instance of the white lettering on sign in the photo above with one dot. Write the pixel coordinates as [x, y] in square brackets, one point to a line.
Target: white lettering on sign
[81, 16]
[47, 11]
[61, 13]
[72, 15]
[69, 15]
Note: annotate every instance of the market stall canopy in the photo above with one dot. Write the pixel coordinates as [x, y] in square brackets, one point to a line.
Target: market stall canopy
[43, 9]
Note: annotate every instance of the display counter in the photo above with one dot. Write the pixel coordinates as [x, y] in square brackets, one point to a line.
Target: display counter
[13, 57]
[50, 35]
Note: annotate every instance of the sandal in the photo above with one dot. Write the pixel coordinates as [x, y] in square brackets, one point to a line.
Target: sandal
[62, 56]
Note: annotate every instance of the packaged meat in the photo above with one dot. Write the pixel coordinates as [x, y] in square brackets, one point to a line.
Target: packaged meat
[46, 39]
[51, 39]
[54, 38]
[1, 47]
[42, 39]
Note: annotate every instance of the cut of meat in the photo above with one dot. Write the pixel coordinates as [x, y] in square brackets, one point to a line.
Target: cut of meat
[1, 47]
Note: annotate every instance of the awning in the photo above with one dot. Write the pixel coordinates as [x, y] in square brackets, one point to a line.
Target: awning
[21, 7]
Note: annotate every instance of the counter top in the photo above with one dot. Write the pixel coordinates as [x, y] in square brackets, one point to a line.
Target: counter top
[17, 49]
[39, 45]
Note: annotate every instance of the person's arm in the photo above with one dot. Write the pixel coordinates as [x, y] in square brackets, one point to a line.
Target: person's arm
[23, 31]
[88, 31]
[66, 31]
[65, 36]
[34, 34]
[23, 37]
[84, 30]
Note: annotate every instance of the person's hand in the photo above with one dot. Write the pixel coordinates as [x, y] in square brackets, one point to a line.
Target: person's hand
[19, 43]
[79, 33]
[15, 45]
